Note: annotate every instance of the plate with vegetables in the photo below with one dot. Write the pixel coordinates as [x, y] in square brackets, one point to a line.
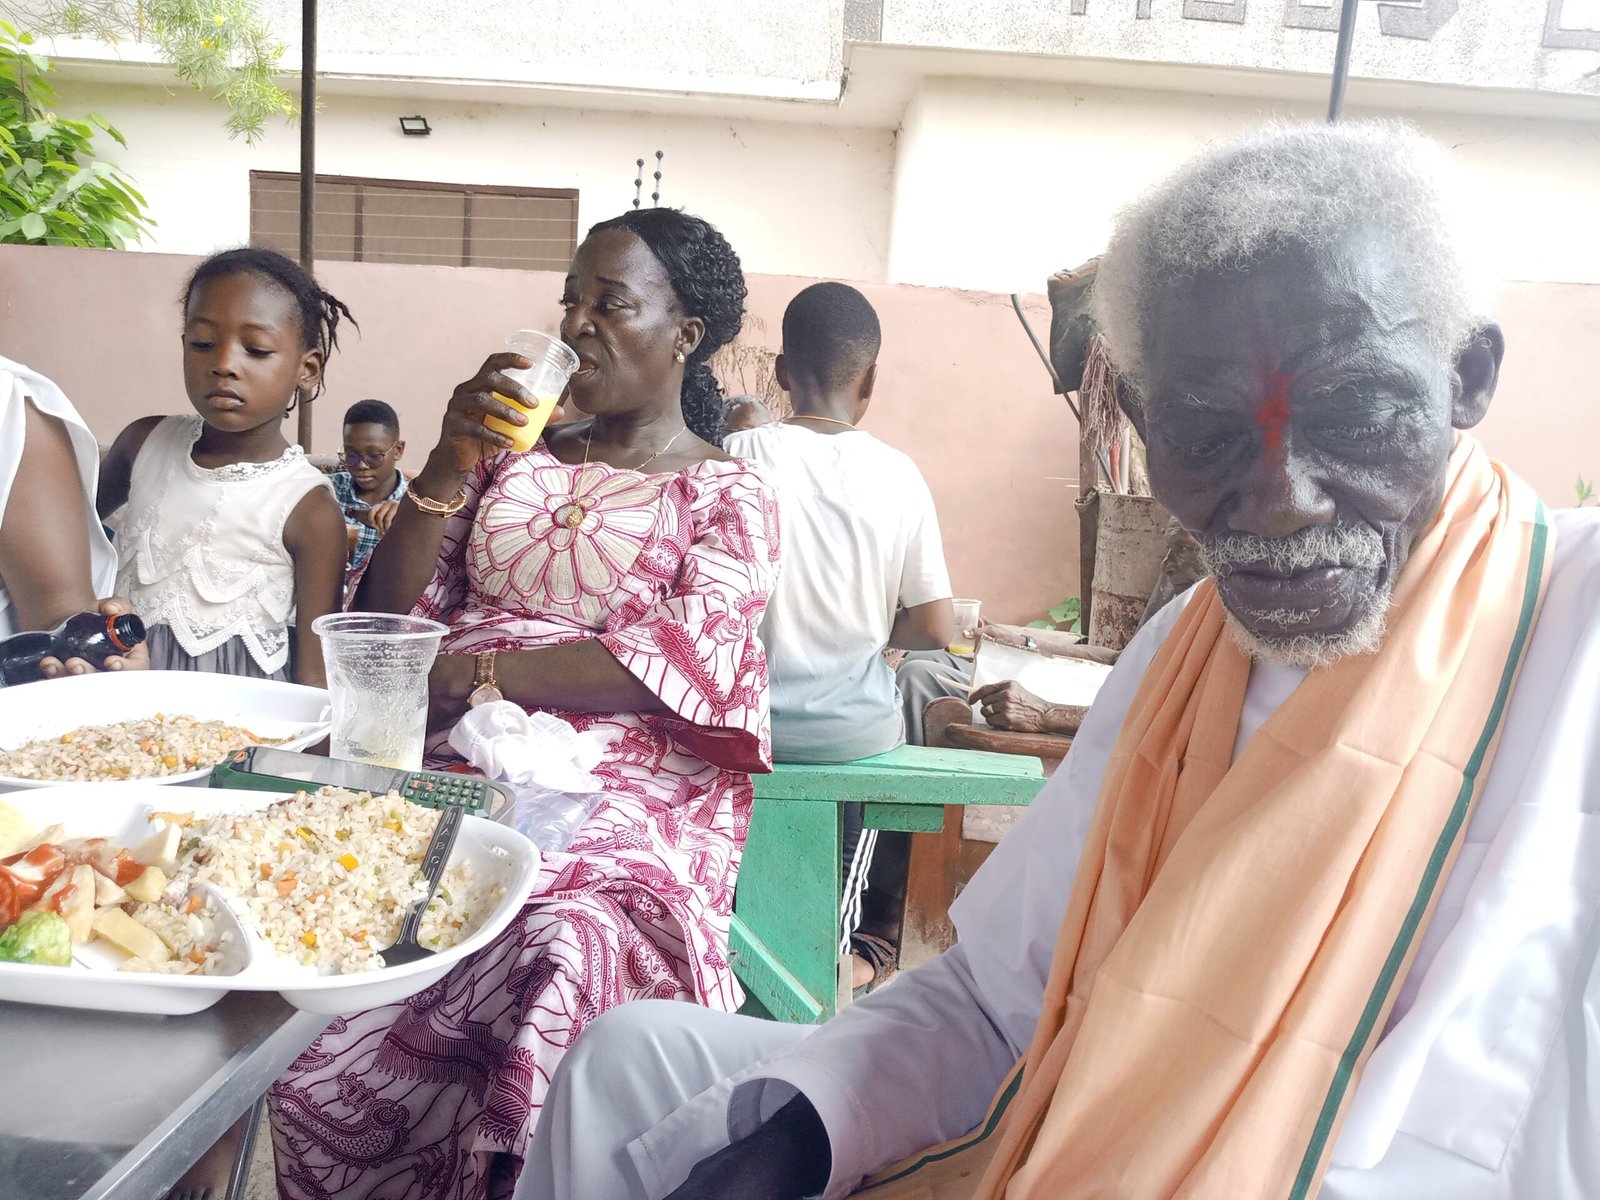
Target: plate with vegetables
[123, 900]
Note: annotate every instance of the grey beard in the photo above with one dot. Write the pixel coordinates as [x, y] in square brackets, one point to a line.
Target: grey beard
[1317, 546]
[1310, 650]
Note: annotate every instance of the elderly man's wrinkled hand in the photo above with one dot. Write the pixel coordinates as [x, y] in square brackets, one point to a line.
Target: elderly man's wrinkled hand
[137, 659]
[1009, 705]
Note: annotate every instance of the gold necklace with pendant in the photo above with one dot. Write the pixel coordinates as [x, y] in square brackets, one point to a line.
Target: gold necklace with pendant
[572, 514]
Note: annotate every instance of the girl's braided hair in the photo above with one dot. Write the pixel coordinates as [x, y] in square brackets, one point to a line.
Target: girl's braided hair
[709, 284]
[320, 311]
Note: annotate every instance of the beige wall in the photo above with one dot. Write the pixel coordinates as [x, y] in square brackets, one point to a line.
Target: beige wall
[961, 391]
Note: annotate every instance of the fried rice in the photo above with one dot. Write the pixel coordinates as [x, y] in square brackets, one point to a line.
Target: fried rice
[144, 748]
[325, 878]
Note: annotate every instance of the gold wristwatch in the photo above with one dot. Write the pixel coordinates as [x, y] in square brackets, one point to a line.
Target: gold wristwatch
[484, 688]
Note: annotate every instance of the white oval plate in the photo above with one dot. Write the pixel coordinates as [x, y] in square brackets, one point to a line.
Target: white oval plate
[122, 813]
[263, 706]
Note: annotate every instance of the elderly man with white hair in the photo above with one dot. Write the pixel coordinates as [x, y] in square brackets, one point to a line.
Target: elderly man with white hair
[1311, 909]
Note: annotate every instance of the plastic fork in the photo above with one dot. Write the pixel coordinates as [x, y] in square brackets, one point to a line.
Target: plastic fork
[406, 948]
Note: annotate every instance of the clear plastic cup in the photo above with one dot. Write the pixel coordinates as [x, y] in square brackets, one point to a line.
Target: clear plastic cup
[965, 642]
[378, 666]
[553, 364]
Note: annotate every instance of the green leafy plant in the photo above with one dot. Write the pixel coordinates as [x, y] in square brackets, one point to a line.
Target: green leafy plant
[224, 47]
[52, 188]
[1585, 490]
[1064, 616]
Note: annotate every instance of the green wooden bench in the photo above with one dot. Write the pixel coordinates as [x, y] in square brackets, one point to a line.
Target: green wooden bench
[785, 932]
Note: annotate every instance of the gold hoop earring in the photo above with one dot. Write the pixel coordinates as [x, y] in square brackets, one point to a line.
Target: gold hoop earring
[678, 356]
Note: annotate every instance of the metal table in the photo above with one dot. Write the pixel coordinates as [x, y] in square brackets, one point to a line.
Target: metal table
[104, 1106]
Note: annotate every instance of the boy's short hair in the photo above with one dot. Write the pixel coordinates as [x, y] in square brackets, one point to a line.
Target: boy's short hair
[373, 412]
[830, 334]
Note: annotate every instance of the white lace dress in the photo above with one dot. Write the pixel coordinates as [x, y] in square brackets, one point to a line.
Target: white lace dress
[200, 553]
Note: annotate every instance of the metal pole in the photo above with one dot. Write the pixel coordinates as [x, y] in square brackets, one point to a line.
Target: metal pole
[308, 168]
[1341, 59]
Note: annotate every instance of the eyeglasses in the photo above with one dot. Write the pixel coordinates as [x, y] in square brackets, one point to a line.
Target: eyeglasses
[353, 459]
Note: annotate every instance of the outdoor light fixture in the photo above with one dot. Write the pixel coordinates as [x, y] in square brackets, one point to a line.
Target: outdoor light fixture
[415, 126]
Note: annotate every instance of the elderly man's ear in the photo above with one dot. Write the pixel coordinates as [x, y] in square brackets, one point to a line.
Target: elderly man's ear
[1476, 374]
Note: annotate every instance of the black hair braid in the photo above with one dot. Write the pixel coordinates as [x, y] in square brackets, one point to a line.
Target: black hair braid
[320, 311]
[709, 284]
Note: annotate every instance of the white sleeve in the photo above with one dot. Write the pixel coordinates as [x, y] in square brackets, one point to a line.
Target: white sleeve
[917, 1063]
[924, 577]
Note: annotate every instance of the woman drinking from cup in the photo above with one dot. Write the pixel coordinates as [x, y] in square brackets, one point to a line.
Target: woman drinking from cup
[614, 574]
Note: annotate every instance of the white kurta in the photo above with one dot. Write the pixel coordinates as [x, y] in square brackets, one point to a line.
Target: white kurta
[1484, 1086]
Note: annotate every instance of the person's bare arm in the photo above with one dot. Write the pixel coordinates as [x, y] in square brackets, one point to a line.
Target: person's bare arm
[930, 626]
[116, 472]
[44, 543]
[404, 561]
[577, 677]
[313, 536]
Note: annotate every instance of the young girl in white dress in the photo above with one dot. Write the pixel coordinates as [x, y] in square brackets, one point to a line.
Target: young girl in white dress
[230, 539]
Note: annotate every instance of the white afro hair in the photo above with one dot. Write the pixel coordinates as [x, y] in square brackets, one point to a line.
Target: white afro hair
[1281, 186]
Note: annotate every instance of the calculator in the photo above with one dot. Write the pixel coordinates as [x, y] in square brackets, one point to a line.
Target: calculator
[269, 769]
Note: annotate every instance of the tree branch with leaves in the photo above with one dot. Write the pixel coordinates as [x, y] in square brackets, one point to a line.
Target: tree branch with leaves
[222, 47]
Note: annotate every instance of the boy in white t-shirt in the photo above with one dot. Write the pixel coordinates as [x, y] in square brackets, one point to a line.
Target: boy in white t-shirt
[863, 564]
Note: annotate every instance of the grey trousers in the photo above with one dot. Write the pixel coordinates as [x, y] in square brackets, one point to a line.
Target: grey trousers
[918, 679]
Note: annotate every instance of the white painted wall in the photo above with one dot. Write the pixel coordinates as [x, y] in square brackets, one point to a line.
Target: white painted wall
[987, 184]
[794, 199]
[998, 184]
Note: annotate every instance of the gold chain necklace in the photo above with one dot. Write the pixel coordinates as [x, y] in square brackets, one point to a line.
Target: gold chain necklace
[572, 514]
[829, 420]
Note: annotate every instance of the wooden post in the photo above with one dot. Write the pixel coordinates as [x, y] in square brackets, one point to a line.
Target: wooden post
[1088, 527]
[308, 171]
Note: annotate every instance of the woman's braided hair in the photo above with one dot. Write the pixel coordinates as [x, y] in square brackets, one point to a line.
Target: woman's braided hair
[320, 311]
[709, 284]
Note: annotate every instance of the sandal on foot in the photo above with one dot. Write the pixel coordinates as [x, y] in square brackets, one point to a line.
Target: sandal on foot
[880, 955]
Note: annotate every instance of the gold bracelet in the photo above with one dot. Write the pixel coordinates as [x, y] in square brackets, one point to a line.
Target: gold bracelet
[436, 508]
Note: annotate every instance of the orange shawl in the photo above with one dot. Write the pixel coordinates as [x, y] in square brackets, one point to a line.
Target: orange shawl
[1237, 932]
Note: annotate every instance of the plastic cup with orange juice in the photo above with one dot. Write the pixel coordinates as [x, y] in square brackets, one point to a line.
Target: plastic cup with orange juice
[965, 643]
[553, 364]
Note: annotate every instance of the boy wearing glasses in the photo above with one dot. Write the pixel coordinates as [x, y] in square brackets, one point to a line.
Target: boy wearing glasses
[371, 486]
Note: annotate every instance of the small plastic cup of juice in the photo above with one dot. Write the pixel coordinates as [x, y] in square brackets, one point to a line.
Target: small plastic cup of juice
[965, 644]
[553, 364]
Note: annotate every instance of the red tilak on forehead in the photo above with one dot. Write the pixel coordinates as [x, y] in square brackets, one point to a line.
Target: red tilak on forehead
[1272, 414]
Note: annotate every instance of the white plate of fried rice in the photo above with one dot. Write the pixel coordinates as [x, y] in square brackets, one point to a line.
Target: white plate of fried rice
[308, 889]
[120, 727]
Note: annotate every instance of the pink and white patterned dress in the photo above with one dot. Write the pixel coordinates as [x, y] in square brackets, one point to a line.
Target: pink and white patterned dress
[434, 1098]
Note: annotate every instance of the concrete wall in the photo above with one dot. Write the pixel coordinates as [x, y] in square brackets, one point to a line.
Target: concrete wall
[793, 198]
[997, 184]
[1550, 45]
[960, 389]
[770, 39]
